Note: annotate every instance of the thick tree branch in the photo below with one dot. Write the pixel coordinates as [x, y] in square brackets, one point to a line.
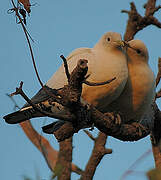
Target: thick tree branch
[43, 145]
[106, 124]
[65, 159]
[150, 7]
[98, 153]
[156, 137]
[136, 22]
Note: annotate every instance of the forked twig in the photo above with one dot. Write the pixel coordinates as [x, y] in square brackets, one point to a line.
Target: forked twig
[136, 22]
[28, 41]
[31, 51]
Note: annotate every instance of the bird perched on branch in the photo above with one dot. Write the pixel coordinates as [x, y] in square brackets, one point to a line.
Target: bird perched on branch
[134, 103]
[106, 60]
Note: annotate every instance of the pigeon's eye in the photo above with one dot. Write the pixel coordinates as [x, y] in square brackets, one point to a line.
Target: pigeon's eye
[108, 39]
[138, 51]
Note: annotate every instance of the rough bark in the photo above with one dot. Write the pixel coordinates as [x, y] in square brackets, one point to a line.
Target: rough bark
[136, 22]
[98, 153]
[65, 159]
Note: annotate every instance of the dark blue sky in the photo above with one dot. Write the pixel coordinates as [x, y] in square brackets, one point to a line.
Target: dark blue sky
[58, 27]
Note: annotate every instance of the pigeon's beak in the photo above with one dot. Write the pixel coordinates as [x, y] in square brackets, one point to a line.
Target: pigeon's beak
[127, 45]
[120, 44]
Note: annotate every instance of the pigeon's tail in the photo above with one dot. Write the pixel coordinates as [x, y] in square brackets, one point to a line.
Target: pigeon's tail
[21, 115]
[51, 128]
[27, 112]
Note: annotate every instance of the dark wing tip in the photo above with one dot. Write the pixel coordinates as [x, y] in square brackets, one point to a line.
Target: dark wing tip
[15, 117]
[10, 118]
[51, 128]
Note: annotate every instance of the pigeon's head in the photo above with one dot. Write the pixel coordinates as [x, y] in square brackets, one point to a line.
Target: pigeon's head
[111, 40]
[136, 50]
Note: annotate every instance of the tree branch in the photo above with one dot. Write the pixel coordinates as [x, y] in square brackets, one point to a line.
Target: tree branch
[42, 144]
[98, 153]
[156, 137]
[66, 67]
[159, 72]
[136, 22]
[65, 159]
[107, 125]
[90, 135]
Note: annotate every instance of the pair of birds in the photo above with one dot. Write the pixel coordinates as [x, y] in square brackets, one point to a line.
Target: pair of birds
[130, 94]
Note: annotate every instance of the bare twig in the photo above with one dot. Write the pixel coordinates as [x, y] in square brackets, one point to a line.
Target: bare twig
[133, 166]
[159, 72]
[28, 41]
[31, 51]
[26, 5]
[14, 102]
[66, 67]
[85, 81]
[158, 94]
[98, 83]
[89, 135]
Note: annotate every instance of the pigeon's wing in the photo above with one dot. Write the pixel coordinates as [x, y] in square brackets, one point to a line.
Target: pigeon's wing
[57, 81]
[51, 128]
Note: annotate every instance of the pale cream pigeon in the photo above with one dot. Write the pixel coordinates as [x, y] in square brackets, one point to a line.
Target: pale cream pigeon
[106, 60]
[134, 103]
